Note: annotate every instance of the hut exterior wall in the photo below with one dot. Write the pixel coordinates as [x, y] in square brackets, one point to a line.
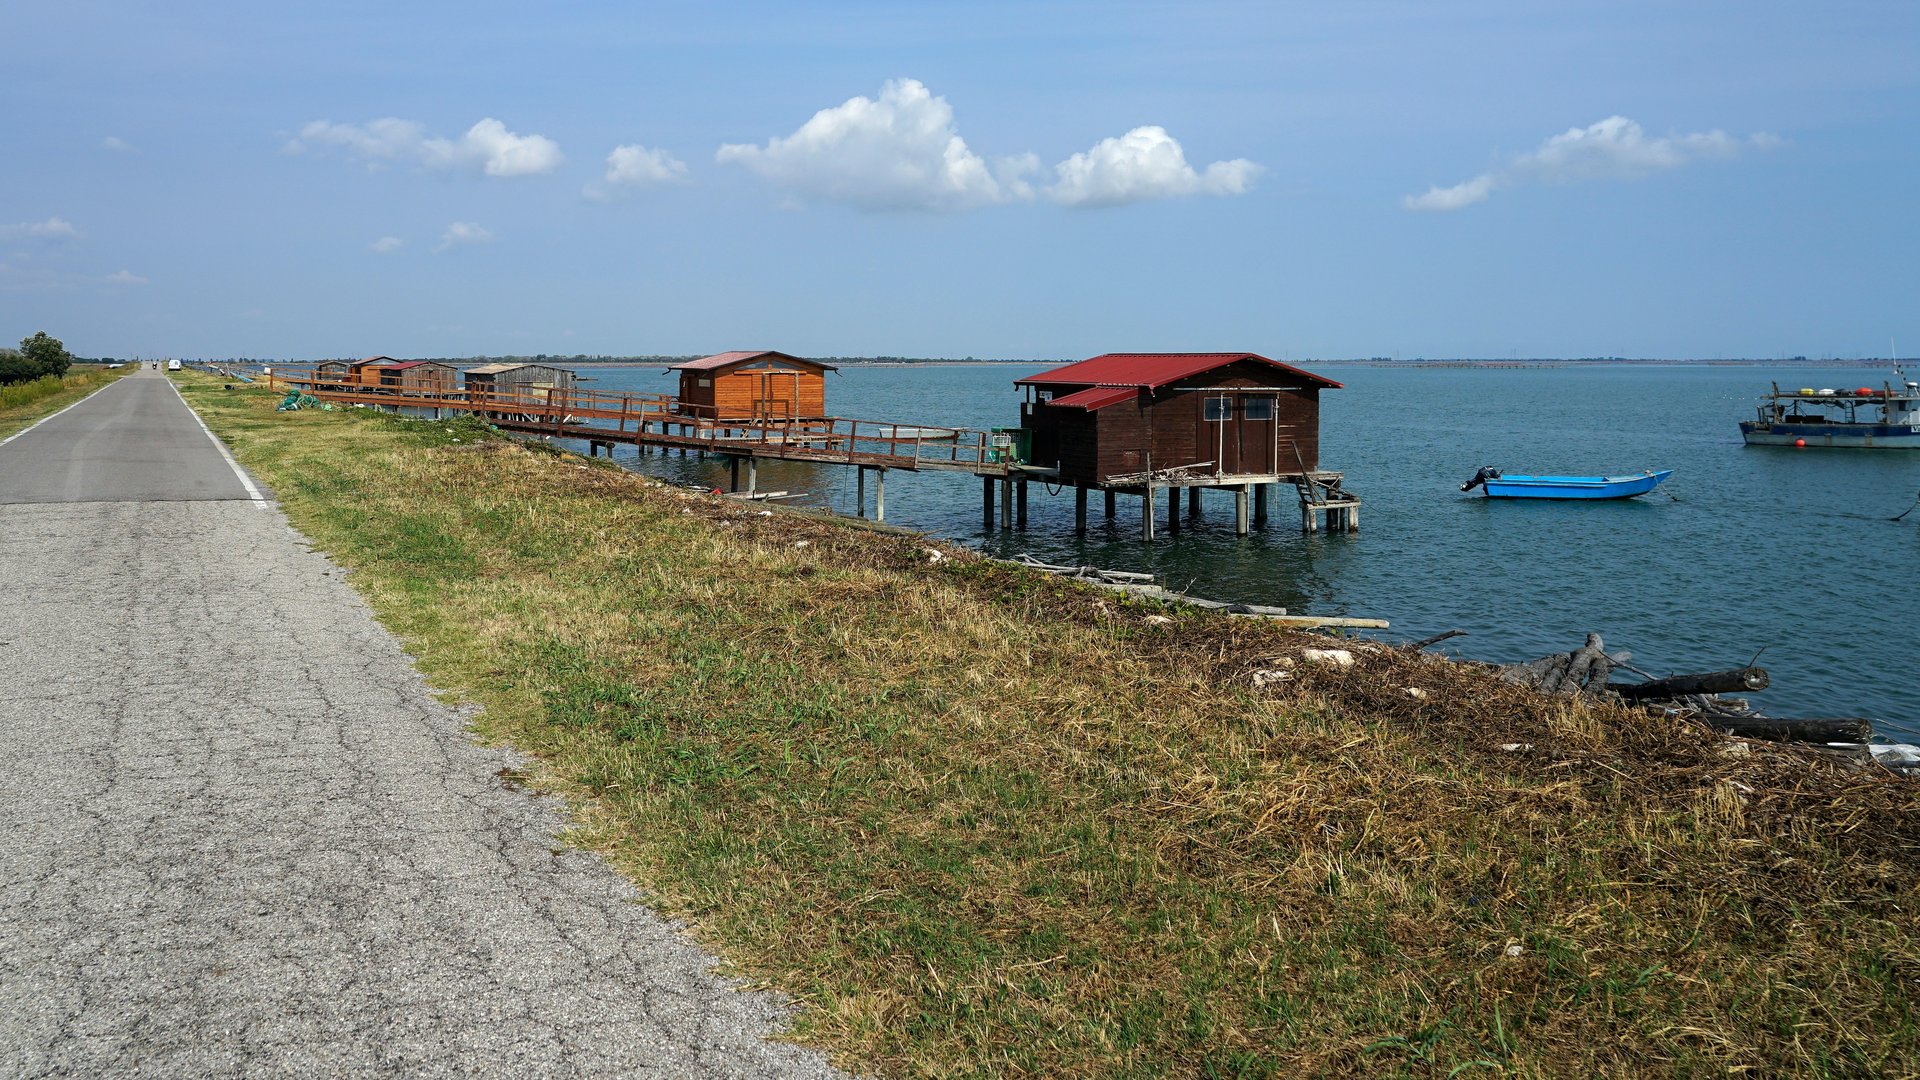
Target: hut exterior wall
[427, 378]
[751, 392]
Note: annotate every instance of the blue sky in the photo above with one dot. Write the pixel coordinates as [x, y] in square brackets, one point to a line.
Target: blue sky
[1018, 180]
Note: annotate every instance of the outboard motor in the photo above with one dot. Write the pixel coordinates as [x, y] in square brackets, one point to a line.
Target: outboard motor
[1485, 474]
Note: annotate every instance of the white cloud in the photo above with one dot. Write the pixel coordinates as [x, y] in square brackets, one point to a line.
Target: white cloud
[1145, 163]
[115, 142]
[1613, 149]
[632, 167]
[899, 152]
[385, 245]
[51, 229]
[460, 233]
[487, 145]
[125, 277]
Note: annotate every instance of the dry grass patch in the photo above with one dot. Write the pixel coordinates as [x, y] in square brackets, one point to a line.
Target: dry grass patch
[984, 822]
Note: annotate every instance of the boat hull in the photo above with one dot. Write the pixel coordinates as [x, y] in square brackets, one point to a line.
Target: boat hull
[1574, 487]
[1845, 436]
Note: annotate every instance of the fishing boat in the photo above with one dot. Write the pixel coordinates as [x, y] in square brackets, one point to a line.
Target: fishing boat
[1519, 486]
[1864, 419]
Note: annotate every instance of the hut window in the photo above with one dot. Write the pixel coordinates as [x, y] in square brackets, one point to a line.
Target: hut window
[1219, 408]
[704, 382]
[1259, 408]
[1045, 395]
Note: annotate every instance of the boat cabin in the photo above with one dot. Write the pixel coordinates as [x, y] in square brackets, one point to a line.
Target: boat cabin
[753, 386]
[1115, 418]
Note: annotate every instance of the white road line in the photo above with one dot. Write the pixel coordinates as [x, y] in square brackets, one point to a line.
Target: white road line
[44, 419]
[259, 500]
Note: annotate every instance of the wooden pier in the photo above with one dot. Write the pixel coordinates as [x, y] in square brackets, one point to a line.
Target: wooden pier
[660, 423]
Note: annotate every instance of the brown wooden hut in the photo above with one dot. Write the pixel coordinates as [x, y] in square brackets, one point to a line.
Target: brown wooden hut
[520, 383]
[334, 371]
[1223, 414]
[753, 386]
[416, 377]
[367, 372]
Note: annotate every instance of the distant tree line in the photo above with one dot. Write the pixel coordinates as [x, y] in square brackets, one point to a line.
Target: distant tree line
[37, 357]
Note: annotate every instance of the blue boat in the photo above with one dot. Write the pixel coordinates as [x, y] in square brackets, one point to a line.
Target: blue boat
[1517, 486]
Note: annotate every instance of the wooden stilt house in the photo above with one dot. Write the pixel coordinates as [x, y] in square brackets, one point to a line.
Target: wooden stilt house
[753, 386]
[416, 377]
[334, 371]
[518, 383]
[367, 372]
[1122, 415]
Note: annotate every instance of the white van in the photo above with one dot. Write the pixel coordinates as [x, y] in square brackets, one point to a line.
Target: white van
[173, 365]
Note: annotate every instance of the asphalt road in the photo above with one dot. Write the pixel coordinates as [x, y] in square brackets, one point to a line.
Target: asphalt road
[238, 835]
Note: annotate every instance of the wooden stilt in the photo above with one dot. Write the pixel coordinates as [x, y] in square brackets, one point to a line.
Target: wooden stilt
[1241, 495]
[1260, 505]
[1146, 515]
[880, 495]
[1006, 505]
[753, 475]
[1193, 504]
[733, 474]
[986, 502]
[1110, 507]
[1080, 509]
[1020, 505]
[860, 491]
[1173, 510]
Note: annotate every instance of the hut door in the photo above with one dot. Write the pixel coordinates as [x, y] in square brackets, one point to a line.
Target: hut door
[779, 394]
[1256, 435]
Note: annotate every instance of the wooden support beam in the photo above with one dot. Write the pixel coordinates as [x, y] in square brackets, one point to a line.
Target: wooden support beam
[1080, 509]
[860, 491]
[1006, 505]
[1240, 497]
[753, 475]
[733, 474]
[1260, 505]
[880, 494]
[1146, 514]
[1193, 504]
[1173, 510]
[986, 502]
[1110, 506]
[1020, 506]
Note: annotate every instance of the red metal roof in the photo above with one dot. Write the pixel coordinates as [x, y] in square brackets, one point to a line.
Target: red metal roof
[728, 359]
[1098, 397]
[1154, 370]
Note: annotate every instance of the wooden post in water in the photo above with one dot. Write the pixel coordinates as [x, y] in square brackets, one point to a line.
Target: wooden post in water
[1080, 509]
[880, 494]
[860, 490]
[1193, 504]
[986, 502]
[1110, 506]
[1260, 505]
[1240, 496]
[1146, 514]
[1006, 505]
[1020, 505]
[1173, 510]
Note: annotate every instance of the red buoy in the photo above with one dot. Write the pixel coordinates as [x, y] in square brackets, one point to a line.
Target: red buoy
[1799, 442]
[1865, 391]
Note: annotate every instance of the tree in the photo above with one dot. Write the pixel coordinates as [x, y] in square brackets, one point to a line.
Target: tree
[46, 353]
[16, 368]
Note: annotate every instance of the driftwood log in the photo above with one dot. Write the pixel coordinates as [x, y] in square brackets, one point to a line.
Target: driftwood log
[1677, 686]
[1585, 668]
[1841, 729]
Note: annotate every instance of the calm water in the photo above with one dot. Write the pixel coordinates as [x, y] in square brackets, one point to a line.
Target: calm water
[1743, 549]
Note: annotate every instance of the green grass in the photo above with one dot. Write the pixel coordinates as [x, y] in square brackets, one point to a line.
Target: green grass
[21, 404]
[980, 822]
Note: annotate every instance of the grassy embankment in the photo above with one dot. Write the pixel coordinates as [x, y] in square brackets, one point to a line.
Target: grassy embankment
[23, 403]
[982, 822]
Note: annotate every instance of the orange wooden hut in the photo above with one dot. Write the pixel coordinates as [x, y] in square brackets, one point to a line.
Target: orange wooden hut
[753, 386]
